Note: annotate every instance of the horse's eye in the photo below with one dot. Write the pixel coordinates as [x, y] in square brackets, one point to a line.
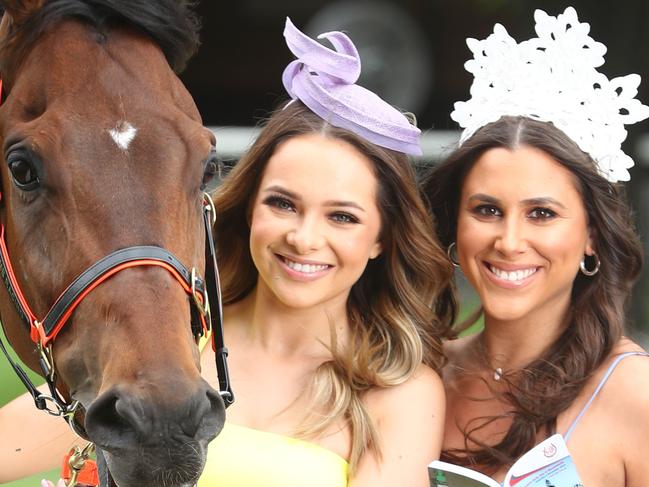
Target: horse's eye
[23, 172]
[211, 169]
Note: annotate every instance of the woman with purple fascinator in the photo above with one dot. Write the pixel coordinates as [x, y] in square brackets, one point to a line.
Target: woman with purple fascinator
[326, 257]
[330, 278]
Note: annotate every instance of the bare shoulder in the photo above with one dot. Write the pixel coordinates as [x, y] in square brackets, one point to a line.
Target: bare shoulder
[423, 391]
[625, 401]
[409, 421]
[628, 384]
[622, 404]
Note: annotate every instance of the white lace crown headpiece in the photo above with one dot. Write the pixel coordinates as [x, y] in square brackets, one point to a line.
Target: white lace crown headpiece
[553, 78]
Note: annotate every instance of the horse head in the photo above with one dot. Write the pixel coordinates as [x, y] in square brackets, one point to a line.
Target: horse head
[103, 149]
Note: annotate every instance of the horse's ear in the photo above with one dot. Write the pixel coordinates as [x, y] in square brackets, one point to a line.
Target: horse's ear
[20, 10]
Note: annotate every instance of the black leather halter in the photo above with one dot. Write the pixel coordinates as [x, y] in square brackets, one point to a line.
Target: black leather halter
[201, 294]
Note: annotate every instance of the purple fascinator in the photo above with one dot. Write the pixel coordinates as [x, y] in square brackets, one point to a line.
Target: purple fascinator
[325, 81]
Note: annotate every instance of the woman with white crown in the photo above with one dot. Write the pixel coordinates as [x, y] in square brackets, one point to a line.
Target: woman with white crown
[531, 211]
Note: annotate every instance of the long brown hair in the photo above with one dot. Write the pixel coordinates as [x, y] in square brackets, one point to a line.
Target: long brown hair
[396, 316]
[550, 384]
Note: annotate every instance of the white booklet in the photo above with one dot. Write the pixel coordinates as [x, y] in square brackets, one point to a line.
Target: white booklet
[548, 464]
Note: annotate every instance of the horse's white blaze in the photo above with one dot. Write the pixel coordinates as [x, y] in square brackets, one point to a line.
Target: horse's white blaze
[123, 134]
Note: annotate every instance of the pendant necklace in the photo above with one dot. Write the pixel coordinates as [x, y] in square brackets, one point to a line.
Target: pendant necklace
[498, 373]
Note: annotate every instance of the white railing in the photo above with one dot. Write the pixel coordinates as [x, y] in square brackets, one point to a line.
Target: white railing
[231, 142]
[234, 141]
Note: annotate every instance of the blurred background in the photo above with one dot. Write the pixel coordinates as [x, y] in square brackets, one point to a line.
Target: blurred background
[413, 52]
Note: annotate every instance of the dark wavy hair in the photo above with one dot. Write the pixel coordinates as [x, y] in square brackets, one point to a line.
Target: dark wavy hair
[550, 384]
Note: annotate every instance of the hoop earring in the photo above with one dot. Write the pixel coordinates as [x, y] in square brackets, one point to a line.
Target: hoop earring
[449, 252]
[587, 272]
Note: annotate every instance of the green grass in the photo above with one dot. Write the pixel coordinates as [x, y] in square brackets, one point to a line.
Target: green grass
[11, 388]
[469, 302]
[34, 480]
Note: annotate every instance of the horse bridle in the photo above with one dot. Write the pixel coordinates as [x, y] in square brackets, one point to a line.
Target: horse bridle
[43, 332]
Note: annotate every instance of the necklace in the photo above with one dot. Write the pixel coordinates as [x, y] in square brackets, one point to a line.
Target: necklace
[498, 373]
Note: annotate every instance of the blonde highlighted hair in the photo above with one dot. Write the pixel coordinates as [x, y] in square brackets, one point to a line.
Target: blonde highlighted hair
[395, 320]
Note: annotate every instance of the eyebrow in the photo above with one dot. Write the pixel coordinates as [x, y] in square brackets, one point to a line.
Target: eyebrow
[292, 195]
[539, 201]
[484, 197]
[543, 201]
[281, 190]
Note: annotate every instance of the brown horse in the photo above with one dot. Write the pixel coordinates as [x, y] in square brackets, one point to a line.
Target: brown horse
[103, 149]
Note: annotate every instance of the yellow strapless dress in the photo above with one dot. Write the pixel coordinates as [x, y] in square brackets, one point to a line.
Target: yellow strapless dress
[245, 457]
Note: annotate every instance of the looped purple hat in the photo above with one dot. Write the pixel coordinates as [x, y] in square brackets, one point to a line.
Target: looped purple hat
[324, 80]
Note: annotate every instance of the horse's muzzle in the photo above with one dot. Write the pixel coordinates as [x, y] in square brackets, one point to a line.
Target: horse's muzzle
[151, 442]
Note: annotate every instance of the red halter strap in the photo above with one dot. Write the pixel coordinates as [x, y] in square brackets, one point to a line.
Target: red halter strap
[44, 331]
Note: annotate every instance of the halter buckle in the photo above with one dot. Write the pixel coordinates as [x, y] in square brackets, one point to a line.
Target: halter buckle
[57, 409]
[203, 304]
[46, 357]
[209, 207]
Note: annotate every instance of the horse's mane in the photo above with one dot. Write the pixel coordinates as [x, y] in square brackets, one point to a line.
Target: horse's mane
[171, 24]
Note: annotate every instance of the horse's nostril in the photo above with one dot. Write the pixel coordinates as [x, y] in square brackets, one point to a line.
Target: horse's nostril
[119, 420]
[205, 417]
[112, 422]
[212, 421]
[196, 412]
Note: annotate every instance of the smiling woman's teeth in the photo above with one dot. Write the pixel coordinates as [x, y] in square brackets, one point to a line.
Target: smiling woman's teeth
[513, 275]
[304, 268]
